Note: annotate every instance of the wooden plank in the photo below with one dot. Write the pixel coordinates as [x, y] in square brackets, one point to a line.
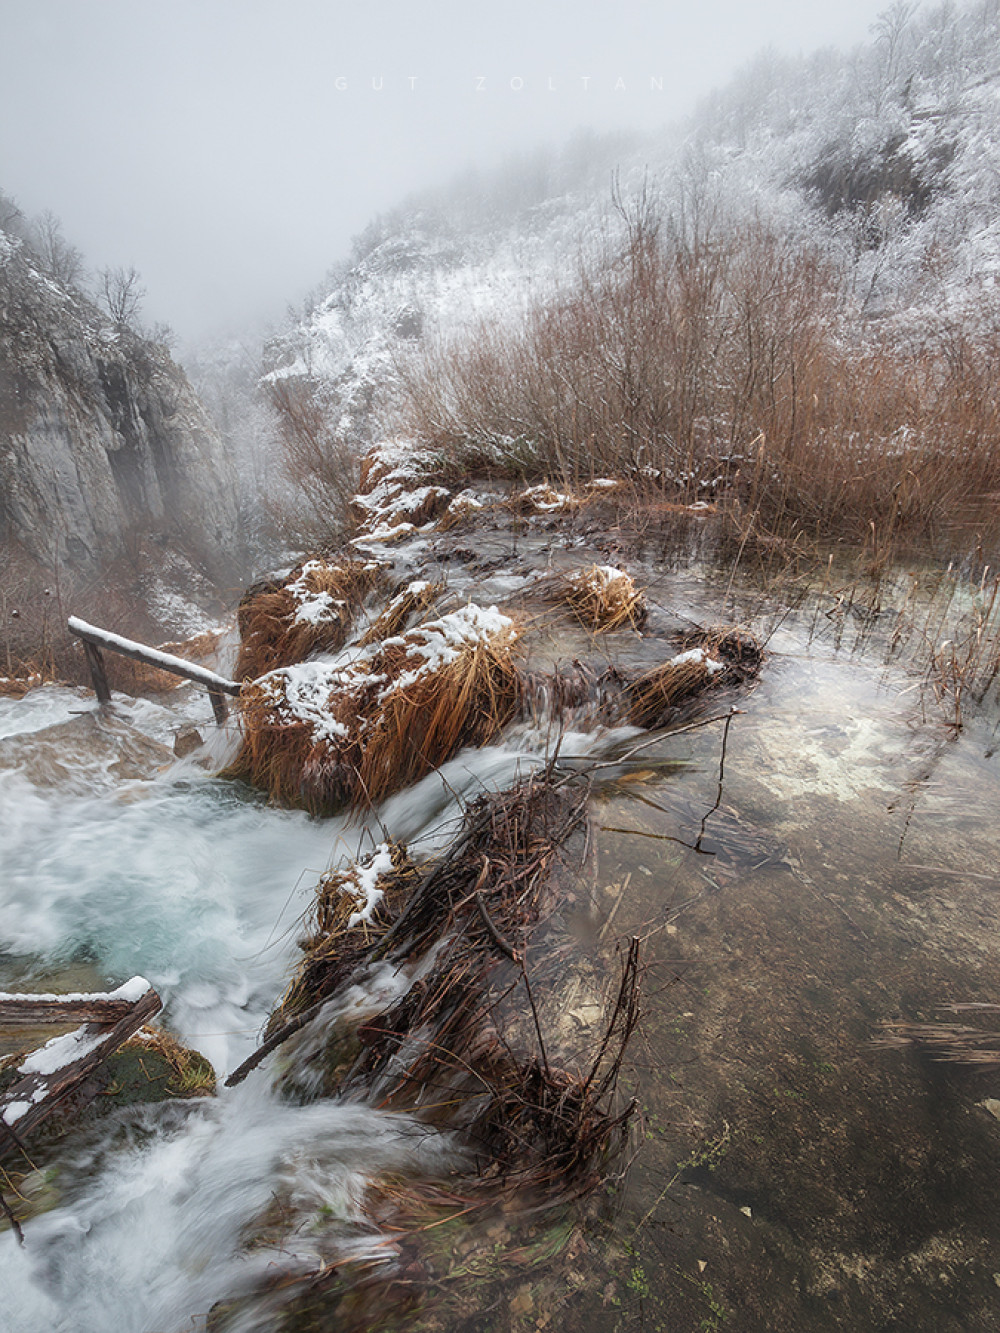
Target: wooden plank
[140, 652]
[97, 673]
[29, 1011]
[35, 1096]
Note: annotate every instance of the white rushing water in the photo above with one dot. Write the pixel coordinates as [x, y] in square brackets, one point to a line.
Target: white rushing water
[116, 855]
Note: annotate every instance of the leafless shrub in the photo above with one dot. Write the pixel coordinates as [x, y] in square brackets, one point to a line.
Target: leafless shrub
[718, 361]
[121, 292]
[320, 461]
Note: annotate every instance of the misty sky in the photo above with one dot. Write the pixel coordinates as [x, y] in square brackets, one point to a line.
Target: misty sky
[229, 149]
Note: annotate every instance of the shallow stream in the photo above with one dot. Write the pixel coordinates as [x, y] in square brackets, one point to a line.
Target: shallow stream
[838, 870]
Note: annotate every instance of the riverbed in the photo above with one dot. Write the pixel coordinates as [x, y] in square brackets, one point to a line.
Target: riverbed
[830, 870]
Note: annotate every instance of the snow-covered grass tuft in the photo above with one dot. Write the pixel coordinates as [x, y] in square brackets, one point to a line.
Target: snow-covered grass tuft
[311, 611]
[604, 598]
[353, 729]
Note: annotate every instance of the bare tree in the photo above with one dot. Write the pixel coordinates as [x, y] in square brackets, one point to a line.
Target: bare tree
[122, 294]
[11, 217]
[59, 259]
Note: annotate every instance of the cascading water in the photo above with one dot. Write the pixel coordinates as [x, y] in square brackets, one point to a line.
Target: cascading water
[120, 857]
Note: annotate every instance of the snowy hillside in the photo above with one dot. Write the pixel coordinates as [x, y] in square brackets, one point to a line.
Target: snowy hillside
[886, 158]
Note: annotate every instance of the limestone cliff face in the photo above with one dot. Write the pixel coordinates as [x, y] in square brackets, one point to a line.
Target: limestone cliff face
[100, 433]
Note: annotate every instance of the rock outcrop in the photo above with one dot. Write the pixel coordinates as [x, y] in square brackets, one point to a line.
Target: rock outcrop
[101, 435]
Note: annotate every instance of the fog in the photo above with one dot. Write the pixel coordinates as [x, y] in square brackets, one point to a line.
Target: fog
[229, 149]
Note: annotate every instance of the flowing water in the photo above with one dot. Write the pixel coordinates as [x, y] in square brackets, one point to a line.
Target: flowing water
[836, 871]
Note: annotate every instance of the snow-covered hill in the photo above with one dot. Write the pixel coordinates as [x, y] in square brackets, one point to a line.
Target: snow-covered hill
[886, 158]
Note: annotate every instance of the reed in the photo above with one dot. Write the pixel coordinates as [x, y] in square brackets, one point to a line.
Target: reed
[723, 362]
[310, 611]
[604, 599]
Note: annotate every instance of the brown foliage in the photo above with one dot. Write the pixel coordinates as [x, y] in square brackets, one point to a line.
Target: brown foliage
[388, 724]
[727, 362]
[273, 631]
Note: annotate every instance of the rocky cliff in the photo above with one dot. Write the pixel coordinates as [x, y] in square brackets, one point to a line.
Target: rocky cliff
[101, 436]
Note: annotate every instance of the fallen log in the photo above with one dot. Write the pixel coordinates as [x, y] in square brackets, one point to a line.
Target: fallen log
[54, 1070]
[33, 1011]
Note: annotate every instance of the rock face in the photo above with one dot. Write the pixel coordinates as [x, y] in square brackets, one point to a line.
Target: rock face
[100, 433]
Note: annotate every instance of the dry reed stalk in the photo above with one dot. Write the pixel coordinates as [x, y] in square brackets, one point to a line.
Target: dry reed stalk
[604, 599]
[462, 1045]
[312, 610]
[416, 597]
[387, 719]
[949, 1042]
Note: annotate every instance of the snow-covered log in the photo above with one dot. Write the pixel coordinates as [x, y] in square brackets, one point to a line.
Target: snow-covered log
[54, 1070]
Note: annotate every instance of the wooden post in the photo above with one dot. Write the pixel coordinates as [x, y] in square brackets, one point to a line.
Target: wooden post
[97, 673]
[219, 707]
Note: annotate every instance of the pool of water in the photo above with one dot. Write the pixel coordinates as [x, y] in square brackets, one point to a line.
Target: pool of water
[834, 868]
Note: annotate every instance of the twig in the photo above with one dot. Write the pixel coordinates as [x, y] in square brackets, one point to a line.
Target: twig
[722, 773]
[492, 931]
[14, 1223]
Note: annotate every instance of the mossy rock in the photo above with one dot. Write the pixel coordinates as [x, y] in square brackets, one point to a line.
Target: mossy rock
[151, 1067]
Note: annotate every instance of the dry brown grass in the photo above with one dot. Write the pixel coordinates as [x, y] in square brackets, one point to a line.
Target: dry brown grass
[276, 631]
[708, 659]
[15, 687]
[140, 678]
[192, 1075]
[604, 599]
[415, 598]
[197, 647]
[385, 723]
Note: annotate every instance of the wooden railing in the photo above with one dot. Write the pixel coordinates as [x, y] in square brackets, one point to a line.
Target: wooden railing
[95, 640]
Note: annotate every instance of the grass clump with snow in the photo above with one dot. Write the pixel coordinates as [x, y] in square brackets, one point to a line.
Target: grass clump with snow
[311, 611]
[604, 598]
[351, 730]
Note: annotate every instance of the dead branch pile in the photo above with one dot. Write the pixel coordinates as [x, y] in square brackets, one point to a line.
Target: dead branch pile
[310, 611]
[474, 1044]
[333, 945]
[325, 737]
